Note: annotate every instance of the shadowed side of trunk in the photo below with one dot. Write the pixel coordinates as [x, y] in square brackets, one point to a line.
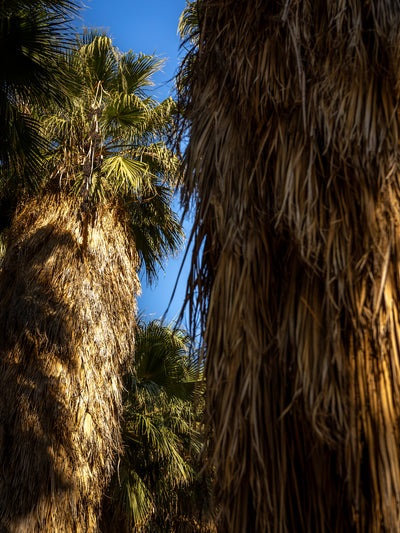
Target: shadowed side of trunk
[293, 160]
[66, 326]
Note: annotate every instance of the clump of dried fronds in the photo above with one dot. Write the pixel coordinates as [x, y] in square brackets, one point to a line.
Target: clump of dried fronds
[293, 163]
[66, 333]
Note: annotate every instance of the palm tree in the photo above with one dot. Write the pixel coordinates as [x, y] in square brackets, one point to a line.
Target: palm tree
[161, 437]
[293, 161]
[69, 283]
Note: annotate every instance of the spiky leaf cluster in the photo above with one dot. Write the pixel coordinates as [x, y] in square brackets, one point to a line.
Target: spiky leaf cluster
[109, 142]
[160, 429]
[32, 35]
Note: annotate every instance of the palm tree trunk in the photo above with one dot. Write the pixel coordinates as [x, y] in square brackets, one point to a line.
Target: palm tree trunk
[66, 323]
[294, 162]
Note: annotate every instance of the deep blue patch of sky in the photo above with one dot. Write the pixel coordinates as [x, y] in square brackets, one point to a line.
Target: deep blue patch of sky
[150, 27]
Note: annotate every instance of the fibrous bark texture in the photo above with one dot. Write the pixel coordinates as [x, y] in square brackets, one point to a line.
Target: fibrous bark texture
[66, 323]
[293, 162]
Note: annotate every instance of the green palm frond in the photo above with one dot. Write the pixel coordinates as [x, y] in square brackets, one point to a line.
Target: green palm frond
[162, 356]
[161, 161]
[188, 27]
[157, 123]
[31, 40]
[124, 173]
[63, 8]
[155, 227]
[131, 493]
[135, 72]
[99, 60]
[33, 34]
[160, 431]
[123, 110]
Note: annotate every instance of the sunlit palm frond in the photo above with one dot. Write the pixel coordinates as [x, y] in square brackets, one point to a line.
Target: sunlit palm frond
[123, 111]
[159, 118]
[99, 62]
[161, 161]
[135, 72]
[122, 173]
[188, 27]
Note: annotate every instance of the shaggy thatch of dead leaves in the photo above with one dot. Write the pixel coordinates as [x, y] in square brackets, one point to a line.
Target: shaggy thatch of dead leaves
[66, 324]
[293, 164]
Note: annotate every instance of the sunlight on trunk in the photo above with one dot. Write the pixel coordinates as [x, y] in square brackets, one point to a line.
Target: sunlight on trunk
[66, 323]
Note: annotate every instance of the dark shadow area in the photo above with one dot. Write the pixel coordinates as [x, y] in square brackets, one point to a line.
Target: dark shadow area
[37, 453]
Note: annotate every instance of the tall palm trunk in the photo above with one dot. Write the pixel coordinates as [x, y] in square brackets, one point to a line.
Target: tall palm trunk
[294, 159]
[66, 323]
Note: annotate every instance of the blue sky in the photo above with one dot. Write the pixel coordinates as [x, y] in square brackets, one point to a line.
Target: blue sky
[150, 27]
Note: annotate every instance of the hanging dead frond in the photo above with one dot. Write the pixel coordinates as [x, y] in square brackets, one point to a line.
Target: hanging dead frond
[66, 332]
[293, 166]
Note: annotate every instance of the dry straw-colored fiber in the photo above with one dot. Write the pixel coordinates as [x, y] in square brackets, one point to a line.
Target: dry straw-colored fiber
[66, 323]
[293, 164]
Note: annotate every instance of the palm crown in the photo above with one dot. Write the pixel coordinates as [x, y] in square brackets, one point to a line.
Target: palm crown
[109, 142]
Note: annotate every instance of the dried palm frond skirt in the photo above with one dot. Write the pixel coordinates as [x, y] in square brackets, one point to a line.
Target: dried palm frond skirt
[66, 323]
[293, 164]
